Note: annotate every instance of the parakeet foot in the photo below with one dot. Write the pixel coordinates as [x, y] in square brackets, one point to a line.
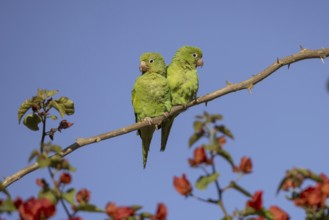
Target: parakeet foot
[166, 114]
[149, 120]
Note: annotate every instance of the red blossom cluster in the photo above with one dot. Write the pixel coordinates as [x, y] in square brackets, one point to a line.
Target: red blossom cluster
[245, 165]
[182, 185]
[256, 203]
[35, 209]
[161, 212]
[314, 196]
[83, 196]
[119, 212]
[65, 178]
[64, 124]
[200, 157]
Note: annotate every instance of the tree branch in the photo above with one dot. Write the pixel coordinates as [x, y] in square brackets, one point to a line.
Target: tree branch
[229, 88]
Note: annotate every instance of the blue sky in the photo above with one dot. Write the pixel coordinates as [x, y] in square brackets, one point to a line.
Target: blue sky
[89, 50]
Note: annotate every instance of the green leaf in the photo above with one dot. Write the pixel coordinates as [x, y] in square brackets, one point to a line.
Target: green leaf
[59, 163]
[31, 121]
[50, 93]
[240, 189]
[224, 130]
[268, 214]
[54, 117]
[69, 196]
[136, 207]
[146, 215]
[43, 160]
[211, 147]
[48, 194]
[194, 138]
[25, 106]
[7, 206]
[197, 126]
[88, 208]
[55, 148]
[226, 155]
[281, 183]
[37, 100]
[44, 93]
[71, 168]
[68, 104]
[33, 155]
[204, 181]
[215, 117]
[63, 105]
[60, 108]
[227, 218]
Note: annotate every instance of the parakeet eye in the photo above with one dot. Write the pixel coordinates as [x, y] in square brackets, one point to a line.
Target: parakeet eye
[195, 55]
[151, 60]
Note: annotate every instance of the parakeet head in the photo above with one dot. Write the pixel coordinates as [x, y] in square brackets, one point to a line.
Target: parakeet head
[152, 62]
[189, 56]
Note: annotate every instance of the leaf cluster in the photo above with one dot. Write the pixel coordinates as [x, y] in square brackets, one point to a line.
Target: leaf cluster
[41, 104]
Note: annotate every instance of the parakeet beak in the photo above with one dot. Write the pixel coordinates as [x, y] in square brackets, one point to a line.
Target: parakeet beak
[199, 62]
[142, 67]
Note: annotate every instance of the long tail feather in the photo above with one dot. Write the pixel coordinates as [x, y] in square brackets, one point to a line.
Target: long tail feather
[146, 135]
[165, 132]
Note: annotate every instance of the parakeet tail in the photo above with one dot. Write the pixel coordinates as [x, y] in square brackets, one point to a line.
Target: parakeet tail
[165, 131]
[146, 135]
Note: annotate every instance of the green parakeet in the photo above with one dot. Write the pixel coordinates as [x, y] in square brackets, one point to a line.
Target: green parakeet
[150, 96]
[183, 83]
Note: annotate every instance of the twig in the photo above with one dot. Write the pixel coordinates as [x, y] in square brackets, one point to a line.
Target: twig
[229, 88]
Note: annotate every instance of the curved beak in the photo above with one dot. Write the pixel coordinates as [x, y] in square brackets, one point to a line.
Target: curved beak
[142, 67]
[199, 62]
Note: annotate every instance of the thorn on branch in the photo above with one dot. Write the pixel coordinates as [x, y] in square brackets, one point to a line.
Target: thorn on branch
[322, 59]
[249, 88]
[301, 48]
[277, 60]
[228, 83]
[288, 65]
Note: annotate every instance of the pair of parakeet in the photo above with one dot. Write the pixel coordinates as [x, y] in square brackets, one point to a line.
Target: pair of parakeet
[160, 87]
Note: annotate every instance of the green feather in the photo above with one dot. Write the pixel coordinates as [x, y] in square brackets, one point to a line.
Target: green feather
[150, 96]
[183, 83]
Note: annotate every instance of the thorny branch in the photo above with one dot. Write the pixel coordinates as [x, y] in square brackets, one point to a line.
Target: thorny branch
[229, 88]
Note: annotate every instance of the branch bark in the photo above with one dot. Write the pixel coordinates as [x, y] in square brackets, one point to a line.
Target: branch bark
[229, 88]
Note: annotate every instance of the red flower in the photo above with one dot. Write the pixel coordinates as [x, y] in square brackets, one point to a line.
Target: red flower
[278, 213]
[64, 124]
[161, 213]
[310, 197]
[76, 218]
[118, 212]
[324, 186]
[221, 141]
[83, 196]
[199, 157]
[36, 209]
[18, 201]
[182, 185]
[42, 183]
[65, 178]
[289, 183]
[245, 165]
[256, 201]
